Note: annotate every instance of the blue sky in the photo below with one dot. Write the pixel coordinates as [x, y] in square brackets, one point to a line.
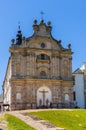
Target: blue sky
[68, 18]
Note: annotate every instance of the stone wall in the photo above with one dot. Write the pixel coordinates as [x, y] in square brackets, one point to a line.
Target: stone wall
[39, 62]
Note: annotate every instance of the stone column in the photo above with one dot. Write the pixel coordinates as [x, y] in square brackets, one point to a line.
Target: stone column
[13, 67]
[28, 64]
[55, 66]
[61, 66]
[33, 64]
[23, 65]
[70, 68]
[52, 66]
[58, 67]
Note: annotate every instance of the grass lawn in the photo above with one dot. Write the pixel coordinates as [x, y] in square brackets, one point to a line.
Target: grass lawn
[16, 124]
[0, 118]
[69, 119]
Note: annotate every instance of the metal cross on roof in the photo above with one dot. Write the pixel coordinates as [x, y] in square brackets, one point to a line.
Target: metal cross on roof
[19, 25]
[42, 13]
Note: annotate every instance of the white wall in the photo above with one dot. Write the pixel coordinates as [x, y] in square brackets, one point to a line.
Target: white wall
[79, 89]
[7, 87]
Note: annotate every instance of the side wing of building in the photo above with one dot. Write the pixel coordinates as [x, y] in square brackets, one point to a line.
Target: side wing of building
[7, 86]
[79, 98]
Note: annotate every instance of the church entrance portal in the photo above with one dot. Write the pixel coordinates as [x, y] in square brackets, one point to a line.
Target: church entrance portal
[44, 97]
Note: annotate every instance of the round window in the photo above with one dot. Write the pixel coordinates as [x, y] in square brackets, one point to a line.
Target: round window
[42, 45]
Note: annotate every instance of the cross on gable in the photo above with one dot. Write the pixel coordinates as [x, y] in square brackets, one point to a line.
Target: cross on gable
[19, 25]
[42, 13]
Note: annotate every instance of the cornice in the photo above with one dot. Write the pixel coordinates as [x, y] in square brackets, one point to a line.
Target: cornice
[38, 80]
[27, 49]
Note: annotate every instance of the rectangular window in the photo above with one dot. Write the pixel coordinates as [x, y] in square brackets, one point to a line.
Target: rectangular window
[73, 80]
[74, 96]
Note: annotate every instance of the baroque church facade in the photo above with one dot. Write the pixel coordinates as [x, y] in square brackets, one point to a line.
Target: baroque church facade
[39, 71]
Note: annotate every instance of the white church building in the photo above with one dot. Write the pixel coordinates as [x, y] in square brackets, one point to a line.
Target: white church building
[80, 86]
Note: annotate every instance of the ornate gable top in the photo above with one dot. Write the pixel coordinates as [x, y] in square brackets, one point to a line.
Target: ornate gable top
[42, 29]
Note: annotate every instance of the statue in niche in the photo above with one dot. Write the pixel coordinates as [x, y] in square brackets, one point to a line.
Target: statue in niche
[40, 102]
[47, 102]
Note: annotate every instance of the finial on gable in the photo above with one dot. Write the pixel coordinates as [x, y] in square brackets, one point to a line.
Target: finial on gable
[49, 23]
[35, 22]
[69, 46]
[42, 13]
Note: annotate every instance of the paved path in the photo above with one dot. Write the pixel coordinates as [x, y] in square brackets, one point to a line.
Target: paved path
[3, 123]
[34, 121]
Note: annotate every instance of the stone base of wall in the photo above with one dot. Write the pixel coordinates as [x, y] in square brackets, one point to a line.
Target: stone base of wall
[34, 106]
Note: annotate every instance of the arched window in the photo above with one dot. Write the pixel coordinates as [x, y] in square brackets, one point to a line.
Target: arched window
[18, 96]
[42, 73]
[42, 57]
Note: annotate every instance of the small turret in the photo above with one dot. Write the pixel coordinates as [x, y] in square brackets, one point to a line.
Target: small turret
[19, 36]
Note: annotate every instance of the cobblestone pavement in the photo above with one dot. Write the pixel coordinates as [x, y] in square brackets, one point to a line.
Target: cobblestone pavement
[34, 121]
